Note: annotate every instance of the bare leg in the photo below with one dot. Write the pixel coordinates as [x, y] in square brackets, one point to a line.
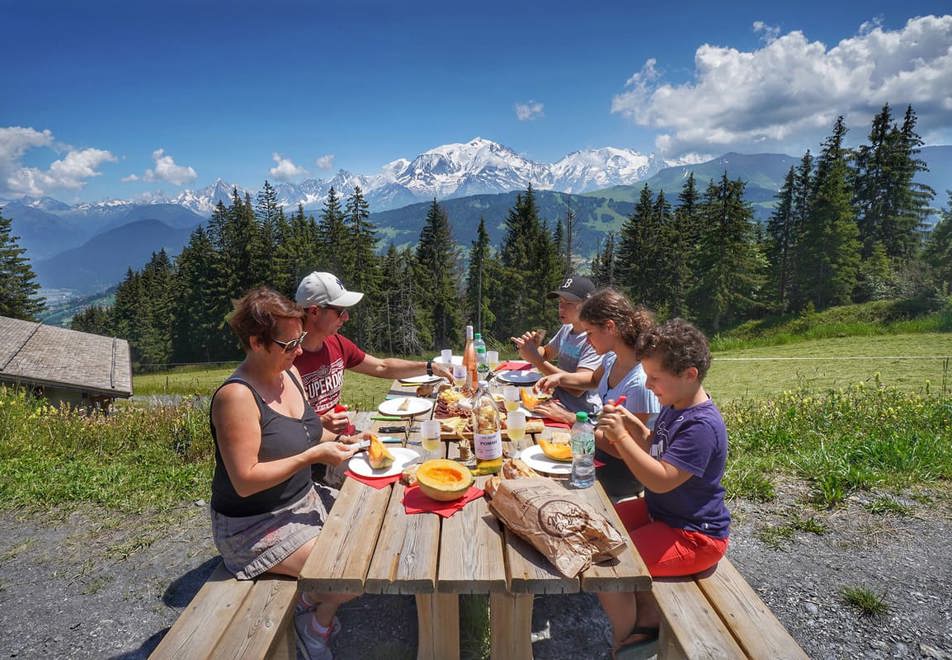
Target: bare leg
[620, 608]
[327, 603]
[649, 616]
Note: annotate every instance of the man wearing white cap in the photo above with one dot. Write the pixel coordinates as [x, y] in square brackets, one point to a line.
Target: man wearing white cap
[326, 353]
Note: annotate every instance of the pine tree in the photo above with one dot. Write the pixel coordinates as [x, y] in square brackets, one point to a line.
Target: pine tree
[530, 268]
[482, 280]
[781, 245]
[94, 319]
[155, 312]
[603, 264]
[830, 238]
[800, 265]
[634, 271]
[436, 258]
[334, 240]
[915, 199]
[684, 246]
[297, 252]
[196, 327]
[406, 323]
[365, 275]
[731, 266]
[938, 250]
[18, 286]
[267, 213]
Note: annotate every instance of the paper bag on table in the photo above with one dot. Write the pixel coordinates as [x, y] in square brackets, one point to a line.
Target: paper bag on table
[556, 524]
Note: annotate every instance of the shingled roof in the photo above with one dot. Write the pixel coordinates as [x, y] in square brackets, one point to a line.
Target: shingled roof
[38, 354]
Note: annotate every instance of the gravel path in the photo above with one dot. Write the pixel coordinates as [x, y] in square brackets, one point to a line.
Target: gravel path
[90, 584]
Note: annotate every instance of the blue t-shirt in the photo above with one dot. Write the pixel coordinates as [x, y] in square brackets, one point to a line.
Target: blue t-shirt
[639, 399]
[695, 440]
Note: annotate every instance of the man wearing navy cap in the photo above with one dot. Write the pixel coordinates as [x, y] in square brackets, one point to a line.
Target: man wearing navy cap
[570, 351]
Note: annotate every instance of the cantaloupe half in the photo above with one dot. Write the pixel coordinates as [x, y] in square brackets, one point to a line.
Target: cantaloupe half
[378, 456]
[444, 480]
[557, 452]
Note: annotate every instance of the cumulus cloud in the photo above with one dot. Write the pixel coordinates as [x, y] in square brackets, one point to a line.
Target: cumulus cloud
[130, 178]
[770, 32]
[529, 110]
[285, 169]
[325, 162]
[166, 170]
[69, 172]
[786, 94]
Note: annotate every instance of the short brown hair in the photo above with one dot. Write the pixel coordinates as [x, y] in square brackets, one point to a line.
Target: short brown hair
[679, 345]
[609, 305]
[256, 314]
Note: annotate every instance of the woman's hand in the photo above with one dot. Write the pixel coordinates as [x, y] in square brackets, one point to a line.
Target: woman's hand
[617, 420]
[353, 439]
[332, 453]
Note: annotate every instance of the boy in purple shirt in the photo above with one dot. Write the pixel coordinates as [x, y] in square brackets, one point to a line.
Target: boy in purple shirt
[681, 525]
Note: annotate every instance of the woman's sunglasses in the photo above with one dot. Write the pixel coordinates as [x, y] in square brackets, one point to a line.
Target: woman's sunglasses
[291, 344]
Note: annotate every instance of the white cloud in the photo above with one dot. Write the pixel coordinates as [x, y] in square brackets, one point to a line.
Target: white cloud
[529, 110]
[771, 32]
[166, 170]
[285, 170]
[325, 162]
[130, 178]
[786, 94]
[69, 172]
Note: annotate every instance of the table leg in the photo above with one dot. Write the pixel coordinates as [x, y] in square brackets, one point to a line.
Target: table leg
[510, 623]
[438, 622]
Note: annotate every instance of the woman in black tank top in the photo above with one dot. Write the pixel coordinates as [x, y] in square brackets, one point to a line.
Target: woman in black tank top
[266, 513]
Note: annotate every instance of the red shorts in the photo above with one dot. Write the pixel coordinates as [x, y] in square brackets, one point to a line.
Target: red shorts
[668, 551]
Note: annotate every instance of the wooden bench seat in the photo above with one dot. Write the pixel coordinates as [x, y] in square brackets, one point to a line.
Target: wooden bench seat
[719, 615]
[231, 618]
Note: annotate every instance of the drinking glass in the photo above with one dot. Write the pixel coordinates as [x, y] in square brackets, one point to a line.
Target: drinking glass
[446, 357]
[430, 433]
[511, 396]
[492, 359]
[459, 375]
[516, 428]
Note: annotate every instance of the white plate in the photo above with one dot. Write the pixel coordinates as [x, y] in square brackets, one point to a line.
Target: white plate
[518, 377]
[534, 458]
[415, 406]
[420, 380]
[358, 463]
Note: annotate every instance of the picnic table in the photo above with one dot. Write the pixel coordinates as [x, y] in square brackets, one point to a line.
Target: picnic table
[370, 545]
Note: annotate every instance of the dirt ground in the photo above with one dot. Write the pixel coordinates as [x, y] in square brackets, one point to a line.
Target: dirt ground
[95, 584]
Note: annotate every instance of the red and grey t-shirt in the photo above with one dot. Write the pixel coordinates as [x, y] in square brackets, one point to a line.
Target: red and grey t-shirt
[322, 372]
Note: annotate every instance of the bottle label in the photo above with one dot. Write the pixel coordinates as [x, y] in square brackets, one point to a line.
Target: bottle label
[583, 443]
[488, 446]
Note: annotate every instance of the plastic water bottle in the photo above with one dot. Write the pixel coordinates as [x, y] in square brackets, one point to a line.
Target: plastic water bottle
[583, 452]
[482, 363]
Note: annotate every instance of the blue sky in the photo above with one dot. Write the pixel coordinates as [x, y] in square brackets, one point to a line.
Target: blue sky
[93, 90]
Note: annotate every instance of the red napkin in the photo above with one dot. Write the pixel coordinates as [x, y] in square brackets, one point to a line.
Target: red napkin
[376, 482]
[555, 424]
[599, 463]
[514, 365]
[414, 501]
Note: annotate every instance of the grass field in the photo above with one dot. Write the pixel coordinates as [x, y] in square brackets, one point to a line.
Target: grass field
[735, 374]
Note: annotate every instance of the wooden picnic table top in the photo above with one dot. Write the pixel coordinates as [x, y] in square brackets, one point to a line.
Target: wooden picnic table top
[370, 545]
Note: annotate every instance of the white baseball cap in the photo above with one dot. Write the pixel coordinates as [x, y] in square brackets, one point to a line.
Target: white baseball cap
[323, 290]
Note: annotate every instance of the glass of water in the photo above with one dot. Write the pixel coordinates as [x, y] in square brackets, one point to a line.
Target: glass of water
[430, 433]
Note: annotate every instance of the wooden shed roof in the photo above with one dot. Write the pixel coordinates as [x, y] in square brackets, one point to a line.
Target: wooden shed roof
[48, 355]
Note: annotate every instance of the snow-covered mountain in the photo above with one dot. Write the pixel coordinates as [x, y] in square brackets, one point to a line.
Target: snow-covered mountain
[476, 167]
[582, 171]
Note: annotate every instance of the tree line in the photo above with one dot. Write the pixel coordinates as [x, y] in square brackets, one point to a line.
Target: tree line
[848, 226]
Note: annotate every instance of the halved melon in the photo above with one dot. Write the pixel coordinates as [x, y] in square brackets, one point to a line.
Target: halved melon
[556, 451]
[378, 456]
[529, 398]
[443, 480]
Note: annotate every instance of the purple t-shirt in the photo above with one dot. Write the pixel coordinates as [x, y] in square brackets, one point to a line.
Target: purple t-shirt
[695, 440]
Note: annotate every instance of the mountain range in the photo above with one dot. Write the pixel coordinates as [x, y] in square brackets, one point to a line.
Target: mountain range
[88, 246]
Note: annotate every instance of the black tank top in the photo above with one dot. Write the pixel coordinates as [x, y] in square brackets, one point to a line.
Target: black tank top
[281, 436]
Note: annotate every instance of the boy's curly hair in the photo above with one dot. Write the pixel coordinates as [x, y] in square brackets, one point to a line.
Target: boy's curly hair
[609, 305]
[679, 345]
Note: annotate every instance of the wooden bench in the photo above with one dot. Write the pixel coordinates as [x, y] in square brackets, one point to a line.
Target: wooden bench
[718, 615]
[231, 618]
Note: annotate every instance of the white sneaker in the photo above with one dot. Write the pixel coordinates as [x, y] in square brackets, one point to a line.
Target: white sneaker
[312, 645]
